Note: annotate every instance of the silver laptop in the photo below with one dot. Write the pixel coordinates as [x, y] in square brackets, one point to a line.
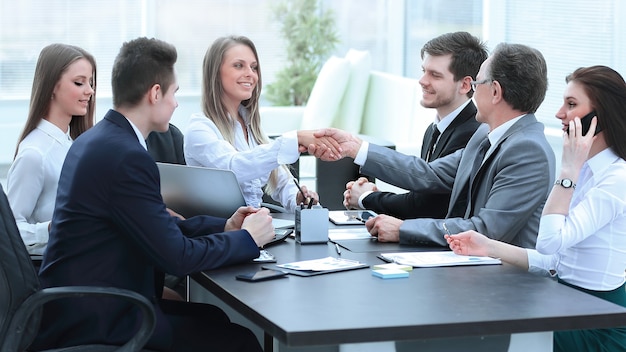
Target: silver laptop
[190, 190]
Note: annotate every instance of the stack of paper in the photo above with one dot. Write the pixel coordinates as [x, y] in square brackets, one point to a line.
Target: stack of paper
[439, 258]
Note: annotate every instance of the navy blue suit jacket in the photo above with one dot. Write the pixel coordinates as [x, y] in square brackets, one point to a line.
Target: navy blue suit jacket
[414, 204]
[110, 228]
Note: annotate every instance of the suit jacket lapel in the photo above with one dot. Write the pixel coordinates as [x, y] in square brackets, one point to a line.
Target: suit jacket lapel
[469, 112]
[526, 120]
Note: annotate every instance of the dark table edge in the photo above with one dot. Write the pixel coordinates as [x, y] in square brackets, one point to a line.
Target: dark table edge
[465, 329]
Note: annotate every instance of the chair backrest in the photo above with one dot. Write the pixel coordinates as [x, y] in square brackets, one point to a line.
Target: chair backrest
[326, 94]
[167, 147]
[397, 99]
[18, 279]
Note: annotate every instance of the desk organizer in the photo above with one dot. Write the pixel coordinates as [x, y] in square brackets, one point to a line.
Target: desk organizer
[312, 225]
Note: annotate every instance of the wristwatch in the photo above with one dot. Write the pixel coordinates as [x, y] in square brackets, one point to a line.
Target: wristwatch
[565, 183]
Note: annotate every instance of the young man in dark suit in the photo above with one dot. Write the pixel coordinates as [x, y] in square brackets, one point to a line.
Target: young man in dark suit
[111, 228]
[449, 62]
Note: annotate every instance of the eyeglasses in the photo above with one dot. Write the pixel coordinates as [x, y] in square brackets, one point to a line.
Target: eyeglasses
[473, 84]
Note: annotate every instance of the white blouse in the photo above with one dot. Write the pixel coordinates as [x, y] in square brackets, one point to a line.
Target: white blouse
[32, 182]
[205, 146]
[587, 248]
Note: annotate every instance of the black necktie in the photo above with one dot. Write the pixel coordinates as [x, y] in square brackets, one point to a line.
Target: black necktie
[465, 198]
[433, 140]
[482, 150]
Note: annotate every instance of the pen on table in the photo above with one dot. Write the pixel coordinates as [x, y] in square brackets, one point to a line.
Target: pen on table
[337, 249]
[445, 228]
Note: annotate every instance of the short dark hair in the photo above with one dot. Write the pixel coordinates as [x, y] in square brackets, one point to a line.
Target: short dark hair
[140, 64]
[522, 73]
[606, 91]
[468, 53]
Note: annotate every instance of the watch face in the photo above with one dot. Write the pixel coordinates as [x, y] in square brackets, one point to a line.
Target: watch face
[567, 183]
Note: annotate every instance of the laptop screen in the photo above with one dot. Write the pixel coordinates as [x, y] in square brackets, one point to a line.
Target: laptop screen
[191, 191]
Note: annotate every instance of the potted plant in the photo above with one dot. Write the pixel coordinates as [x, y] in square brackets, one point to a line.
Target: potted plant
[310, 36]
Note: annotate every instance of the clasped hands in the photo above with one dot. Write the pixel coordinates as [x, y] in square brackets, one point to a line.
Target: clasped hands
[354, 191]
[257, 221]
[386, 228]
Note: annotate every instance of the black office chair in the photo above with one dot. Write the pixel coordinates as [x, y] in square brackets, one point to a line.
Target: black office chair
[167, 147]
[22, 298]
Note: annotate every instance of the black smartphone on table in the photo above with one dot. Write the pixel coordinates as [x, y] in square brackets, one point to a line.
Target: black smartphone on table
[586, 123]
[261, 275]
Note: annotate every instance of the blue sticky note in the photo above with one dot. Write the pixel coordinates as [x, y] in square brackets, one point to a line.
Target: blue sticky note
[390, 273]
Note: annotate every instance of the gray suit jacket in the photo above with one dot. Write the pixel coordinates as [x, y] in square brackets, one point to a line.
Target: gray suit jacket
[509, 191]
[411, 205]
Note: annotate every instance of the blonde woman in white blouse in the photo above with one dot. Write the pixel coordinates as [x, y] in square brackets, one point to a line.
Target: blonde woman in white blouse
[228, 135]
[62, 105]
[582, 234]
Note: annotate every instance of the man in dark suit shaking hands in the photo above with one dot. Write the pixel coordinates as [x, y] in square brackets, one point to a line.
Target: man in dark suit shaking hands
[449, 62]
[111, 228]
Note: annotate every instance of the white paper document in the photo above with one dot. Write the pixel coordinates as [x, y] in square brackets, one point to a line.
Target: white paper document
[437, 258]
[349, 233]
[323, 264]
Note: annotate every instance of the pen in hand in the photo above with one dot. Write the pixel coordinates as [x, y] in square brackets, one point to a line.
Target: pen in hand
[337, 249]
[445, 228]
[303, 196]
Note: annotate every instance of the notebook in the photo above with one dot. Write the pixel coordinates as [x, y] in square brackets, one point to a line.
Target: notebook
[191, 191]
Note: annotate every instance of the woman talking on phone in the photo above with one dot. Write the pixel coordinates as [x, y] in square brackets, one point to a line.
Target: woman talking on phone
[582, 234]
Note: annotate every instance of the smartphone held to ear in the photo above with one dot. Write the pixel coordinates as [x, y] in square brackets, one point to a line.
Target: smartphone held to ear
[586, 123]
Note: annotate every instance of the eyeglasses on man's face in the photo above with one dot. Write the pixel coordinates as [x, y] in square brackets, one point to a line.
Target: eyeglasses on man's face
[473, 84]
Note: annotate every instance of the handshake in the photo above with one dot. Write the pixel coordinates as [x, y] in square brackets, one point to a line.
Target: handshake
[329, 144]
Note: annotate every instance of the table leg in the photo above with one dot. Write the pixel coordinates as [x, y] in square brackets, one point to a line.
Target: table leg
[268, 342]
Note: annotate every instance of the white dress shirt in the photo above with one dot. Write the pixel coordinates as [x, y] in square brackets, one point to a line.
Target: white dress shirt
[32, 182]
[587, 248]
[444, 122]
[441, 124]
[252, 162]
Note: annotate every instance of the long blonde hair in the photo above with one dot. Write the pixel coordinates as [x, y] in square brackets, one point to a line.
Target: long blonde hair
[213, 90]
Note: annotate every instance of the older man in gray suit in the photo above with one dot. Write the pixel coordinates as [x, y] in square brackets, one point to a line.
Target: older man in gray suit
[499, 182]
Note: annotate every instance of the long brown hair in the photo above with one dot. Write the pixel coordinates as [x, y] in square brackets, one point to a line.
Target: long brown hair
[606, 90]
[212, 91]
[53, 61]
